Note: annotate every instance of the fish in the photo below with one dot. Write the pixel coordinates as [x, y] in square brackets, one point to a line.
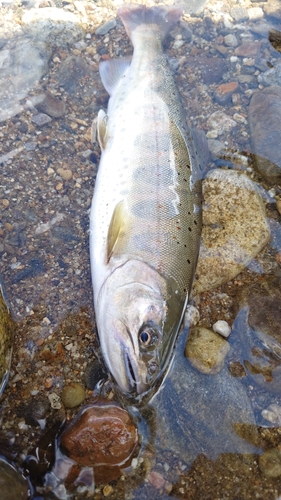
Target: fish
[146, 214]
[6, 339]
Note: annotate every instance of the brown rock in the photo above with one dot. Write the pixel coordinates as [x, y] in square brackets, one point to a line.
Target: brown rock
[265, 128]
[211, 68]
[251, 49]
[103, 436]
[224, 92]
[206, 350]
[51, 105]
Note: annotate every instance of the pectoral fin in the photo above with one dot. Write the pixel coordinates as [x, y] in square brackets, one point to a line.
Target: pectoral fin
[111, 72]
[115, 226]
[102, 129]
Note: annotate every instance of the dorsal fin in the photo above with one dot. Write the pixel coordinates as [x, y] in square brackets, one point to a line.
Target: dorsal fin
[112, 71]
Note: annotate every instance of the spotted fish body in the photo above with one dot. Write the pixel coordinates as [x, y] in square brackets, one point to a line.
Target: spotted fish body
[145, 221]
[6, 337]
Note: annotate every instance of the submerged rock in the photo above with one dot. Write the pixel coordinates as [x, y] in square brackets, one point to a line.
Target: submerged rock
[258, 324]
[199, 413]
[265, 128]
[206, 350]
[102, 436]
[13, 485]
[234, 230]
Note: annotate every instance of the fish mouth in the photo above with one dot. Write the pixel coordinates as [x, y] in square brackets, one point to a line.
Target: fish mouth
[136, 375]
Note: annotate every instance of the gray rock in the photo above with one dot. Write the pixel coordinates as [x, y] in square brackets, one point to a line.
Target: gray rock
[235, 228]
[106, 27]
[55, 26]
[230, 40]
[272, 76]
[51, 105]
[199, 413]
[71, 70]
[192, 7]
[239, 14]
[265, 128]
[221, 122]
[41, 119]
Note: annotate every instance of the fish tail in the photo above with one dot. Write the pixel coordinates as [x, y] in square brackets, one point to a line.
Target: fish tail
[163, 16]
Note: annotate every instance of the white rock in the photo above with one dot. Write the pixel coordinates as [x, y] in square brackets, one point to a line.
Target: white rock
[220, 122]
[191, 317]
[230, 41]
[272, 414]
[222, 327]
[255, 13]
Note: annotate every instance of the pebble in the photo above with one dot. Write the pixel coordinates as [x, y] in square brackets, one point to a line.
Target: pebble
[239, 14]
[273, 414]
[273, 9]
[233, 207]
[50, 105]
[230, 41]
[222, 327]
[248, 49]
[156, 479]
[221, 122]
[106, 27]
[272, 76]
[255, 13]
[107, 490]
[206, 350]
[224, 92]
[191, 316]
[41, 119]
[103, 436]
[73, 395]
[270, 463]
[265, 128]
[55, 401]
[65, 173]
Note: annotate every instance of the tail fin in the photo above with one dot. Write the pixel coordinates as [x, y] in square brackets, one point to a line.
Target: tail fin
[164, 16]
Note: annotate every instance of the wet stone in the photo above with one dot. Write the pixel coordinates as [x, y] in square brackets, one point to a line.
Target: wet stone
[222, 328]
[272, 414]
[50, 105]
[272, 8]
[249, 49]
[265, 128]
[272, 76]
[73, 394]
[230, 41]
[70, 72]
[106, 27]
[270, 463]
[224, 92]
[233, 207]
[34, 267]
[239, 14]
[206, 350]
[221, 122]
[12, 484]
[41, 119]
[258, 324]
[103, 436]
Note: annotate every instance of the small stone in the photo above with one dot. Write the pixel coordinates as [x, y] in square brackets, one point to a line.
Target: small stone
[5, 203]
[239, 14]
[224, 92]
[221, 122]
[41, 119]
[255, 13]
[156, 479]
[222, 327]
[245, 78]
[272, 414]
[65, 173]
[8, 226]
[107, 490]
[191, 317]
[249, 49]
[55, 401]
[206, 350]
[106, 27]
[73, 394]
[237, 369]
[59, 186]
[50, 105]
[50, 171]
[272, 8]
[270, 463]
[102, 436]
[239, 118]
[230, 41]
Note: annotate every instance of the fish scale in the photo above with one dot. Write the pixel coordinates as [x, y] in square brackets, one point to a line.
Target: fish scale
[146, 210]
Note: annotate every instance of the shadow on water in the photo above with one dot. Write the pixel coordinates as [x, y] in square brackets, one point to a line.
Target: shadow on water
[202, 435]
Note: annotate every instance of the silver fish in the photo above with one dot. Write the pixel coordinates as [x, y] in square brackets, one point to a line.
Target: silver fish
[145, 221]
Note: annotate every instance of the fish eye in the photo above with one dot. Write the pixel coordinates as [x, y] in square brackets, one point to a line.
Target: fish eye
[149, 336]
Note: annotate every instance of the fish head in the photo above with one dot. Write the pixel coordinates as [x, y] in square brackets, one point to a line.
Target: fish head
[130, 313]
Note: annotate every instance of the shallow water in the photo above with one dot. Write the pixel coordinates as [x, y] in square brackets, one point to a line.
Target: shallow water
[201, 435]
